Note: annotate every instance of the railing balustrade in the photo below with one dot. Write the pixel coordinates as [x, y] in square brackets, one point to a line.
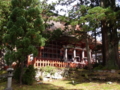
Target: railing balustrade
[39, 62]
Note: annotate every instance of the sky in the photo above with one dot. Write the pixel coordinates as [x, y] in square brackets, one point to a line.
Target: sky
[118, 2]
[66, 8]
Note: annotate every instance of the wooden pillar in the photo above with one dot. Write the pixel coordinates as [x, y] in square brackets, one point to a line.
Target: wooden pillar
[65, 56]
[83, 54]
[74, 53]
[90, 52]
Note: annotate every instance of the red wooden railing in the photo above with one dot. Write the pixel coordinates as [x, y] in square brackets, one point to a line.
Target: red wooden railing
[40, 62]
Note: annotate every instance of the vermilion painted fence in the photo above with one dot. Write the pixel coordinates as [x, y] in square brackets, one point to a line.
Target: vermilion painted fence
[38, 62]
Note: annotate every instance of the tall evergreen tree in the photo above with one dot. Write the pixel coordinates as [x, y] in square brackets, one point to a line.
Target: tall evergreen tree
[110, 37]
[24, 32]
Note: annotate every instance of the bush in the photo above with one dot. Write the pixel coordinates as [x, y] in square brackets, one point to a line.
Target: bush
[3, 72]
[48, 69]
[41, 78]
[99, 67]
[29, 75]
[3, 79]
[16, 74]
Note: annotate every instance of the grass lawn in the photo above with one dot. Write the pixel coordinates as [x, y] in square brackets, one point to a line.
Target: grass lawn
[87, 85]
[65, 85]
[82, 81]
[44, 86]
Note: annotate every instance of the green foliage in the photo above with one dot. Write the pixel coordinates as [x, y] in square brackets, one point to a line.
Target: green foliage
[10, 57]
[4, 15]
[29, 75]
[56, 34]
[3, 72]
[96, 14]
[74, 23]
[24, 32]
[41, 78]
[110, 67]
[49, 69]
[16, 74]
[98, 67]
[3, 79]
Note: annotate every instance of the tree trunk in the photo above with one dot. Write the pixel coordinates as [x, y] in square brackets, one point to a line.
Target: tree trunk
[23, 65]
[95, 45]
[113, 59]
[88, 54]
[109, 37]
[104, 30]
[21, 73]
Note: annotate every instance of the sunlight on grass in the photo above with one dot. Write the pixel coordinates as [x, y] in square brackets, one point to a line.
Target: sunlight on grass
[86, 86]
[43, 86]
[64, 85]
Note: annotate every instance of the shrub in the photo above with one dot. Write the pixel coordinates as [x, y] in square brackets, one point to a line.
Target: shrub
[48, 69]
[41, 78]
[3, 72]
[98, 67]
[3, 79]
[29, 75]
[16, 74]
